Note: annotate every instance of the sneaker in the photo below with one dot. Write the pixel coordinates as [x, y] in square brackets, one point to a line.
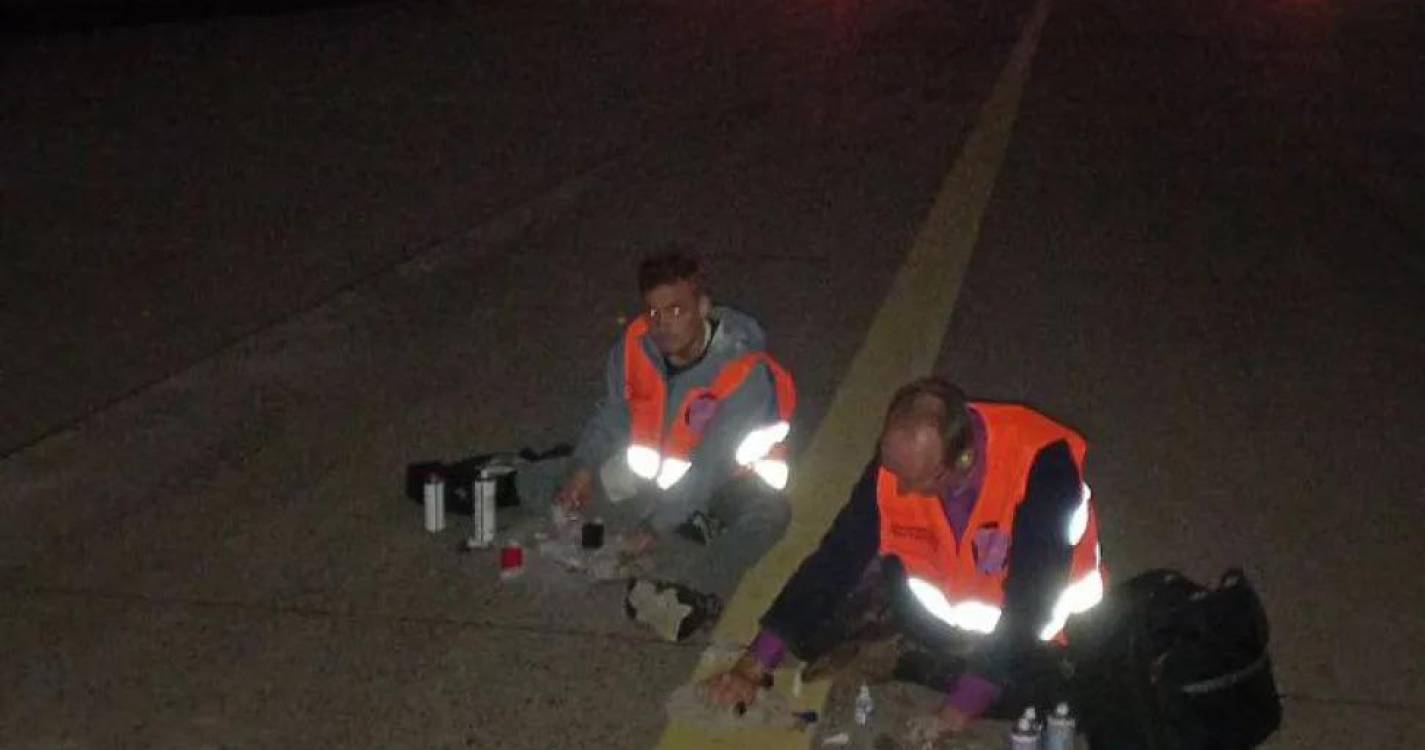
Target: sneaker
[672, 610]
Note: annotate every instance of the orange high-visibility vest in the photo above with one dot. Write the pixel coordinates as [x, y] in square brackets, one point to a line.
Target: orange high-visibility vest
[942, 573]
[665, 458]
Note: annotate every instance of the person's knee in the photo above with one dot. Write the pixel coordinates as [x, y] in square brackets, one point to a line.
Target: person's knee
[617, 481]
[774, 515]
[752, 511]
[761, 516]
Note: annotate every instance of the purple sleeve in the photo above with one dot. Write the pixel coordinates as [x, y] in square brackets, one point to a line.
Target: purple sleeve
[768, 649]
[972, 695]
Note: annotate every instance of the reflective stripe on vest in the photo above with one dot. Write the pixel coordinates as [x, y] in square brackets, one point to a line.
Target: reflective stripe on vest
[945, 575]
[764, 451]
[773, 471]
[646, 394]
[981, 617]
[666, 458]
[1078, 597]
[975, 616]
[643, 461]
[1085, 587]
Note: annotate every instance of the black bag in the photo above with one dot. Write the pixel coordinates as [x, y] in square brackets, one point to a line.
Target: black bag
[1163, 663]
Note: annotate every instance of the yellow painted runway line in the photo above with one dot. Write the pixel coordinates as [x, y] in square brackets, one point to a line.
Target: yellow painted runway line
[903, 342]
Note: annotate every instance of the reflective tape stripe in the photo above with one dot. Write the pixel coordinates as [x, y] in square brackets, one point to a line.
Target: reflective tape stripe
[643, 461]
[1079, 596]
[752, 452]
[673, 470]
[759, 442]
[1079, 522]
[975, 616]
[772, 471]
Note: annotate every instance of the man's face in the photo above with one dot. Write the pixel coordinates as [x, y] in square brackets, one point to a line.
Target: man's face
[677, 312]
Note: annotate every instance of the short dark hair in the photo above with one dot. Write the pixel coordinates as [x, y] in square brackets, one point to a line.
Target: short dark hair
[953, 426]
[670, 268]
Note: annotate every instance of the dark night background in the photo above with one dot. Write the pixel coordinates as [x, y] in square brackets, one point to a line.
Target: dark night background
[256, 256]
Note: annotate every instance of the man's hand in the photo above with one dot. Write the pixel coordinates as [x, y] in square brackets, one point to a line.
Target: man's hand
[737, 686]
[577, 490]
[928, 729]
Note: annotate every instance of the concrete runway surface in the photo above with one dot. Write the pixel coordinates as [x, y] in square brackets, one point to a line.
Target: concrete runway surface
[254, 264]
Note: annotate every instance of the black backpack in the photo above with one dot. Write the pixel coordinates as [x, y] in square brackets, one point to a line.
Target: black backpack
[1163, 663]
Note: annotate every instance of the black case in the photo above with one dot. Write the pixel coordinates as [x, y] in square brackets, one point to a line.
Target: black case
[1166, 664]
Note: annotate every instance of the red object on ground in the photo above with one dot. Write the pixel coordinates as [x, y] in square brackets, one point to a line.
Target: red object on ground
[511, 558]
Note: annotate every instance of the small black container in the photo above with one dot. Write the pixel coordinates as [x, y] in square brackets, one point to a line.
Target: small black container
[592, 535]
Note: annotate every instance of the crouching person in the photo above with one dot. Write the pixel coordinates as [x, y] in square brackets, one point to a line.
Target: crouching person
[685, 455]
[965, 546]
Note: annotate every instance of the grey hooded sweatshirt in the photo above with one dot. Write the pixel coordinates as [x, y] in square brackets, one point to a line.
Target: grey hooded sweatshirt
[752, 405]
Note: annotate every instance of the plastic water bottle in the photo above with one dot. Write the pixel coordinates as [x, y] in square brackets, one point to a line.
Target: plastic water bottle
[1059, 734]
[434, 499]
[482, 499]
[1025, 734]
[865, 706]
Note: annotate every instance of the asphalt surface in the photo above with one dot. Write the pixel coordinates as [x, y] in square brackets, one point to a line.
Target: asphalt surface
[253, 265]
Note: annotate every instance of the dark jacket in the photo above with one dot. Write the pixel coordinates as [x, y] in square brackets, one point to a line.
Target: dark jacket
[1038, 566]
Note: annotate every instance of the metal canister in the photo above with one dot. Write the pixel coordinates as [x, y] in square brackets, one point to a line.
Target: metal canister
[1059, 731]
[1025, 733]
[482, 518]
[434, 499]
